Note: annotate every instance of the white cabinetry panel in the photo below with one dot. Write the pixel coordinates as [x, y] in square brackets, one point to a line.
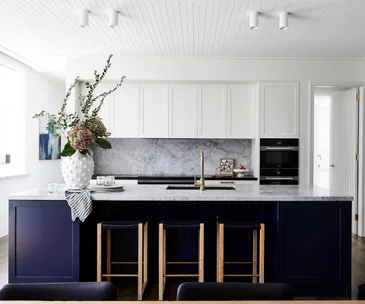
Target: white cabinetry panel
[183, 111]
[241, 110]
[279, 109]
[212, 111]
[126, 111]
[154, 114]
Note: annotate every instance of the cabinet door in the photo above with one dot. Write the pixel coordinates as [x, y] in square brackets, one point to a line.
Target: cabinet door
[314, 248]
[279, 109]
[43, 242]
[154, 111]
[126, 111]
[241, 111]
[212, 111]
[105, 110]
[183, 111]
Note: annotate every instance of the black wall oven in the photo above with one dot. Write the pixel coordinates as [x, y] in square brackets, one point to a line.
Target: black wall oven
[279, 161]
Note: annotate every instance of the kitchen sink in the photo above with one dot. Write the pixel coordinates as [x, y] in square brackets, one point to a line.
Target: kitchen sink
[178, 187]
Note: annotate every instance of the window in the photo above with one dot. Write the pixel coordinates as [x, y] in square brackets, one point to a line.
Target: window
[12, 144]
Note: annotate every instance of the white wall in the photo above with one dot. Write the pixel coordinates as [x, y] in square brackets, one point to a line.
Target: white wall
[40, 92]
[200, 69]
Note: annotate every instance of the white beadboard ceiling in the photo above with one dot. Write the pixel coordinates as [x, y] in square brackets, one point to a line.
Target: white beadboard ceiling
[317, 28]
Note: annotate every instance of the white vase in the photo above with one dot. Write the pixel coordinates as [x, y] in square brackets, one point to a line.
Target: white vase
[77, 170]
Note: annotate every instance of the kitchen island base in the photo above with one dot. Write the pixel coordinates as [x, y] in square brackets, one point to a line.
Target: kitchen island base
[307, 243]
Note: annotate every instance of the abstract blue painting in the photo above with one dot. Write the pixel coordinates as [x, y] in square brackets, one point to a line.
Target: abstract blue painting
[49, 142]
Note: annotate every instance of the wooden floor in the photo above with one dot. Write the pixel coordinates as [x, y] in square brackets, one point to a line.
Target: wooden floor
[130, 292]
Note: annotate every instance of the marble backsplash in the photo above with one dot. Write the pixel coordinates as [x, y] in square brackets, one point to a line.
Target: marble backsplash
[170, 156]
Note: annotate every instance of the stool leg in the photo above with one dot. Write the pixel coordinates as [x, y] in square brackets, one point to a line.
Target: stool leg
[221, 253]
[99, 257]
[254, 255]
[140, 261]
[145, 256]
[108, 253]
[164, 258]
[217, 259]
[161, 261]
[262, 253]
[201, 253]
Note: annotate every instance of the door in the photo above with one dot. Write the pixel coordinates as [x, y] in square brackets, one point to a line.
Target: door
[154, 111]
[241, 111]
[212, 111]
[126, 109]
[183, 111]
[279, 109]
[322, 114]
[343, 173]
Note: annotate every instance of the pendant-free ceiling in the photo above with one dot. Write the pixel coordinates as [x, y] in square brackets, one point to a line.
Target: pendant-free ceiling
[283, 20]
[254, 20]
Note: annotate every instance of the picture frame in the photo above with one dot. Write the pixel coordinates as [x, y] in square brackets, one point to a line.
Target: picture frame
[226, 165]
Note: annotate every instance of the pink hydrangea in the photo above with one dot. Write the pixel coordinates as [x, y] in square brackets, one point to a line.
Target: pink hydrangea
[80, 138]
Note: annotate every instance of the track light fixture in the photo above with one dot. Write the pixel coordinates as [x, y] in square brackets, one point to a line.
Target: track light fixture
[283, 20]
[113, 18]
[84, 18]
[254, 20]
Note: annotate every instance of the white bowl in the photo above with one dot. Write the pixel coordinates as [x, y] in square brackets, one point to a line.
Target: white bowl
[240, 170]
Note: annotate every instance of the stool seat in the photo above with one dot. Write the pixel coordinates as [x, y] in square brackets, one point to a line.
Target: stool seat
[122, 224]
[239, 224]
[180, 224]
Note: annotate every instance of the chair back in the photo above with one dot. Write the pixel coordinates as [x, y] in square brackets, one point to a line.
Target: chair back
[192, 291]
[93, 291]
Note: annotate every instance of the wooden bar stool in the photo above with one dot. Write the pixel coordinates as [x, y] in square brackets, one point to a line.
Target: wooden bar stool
[223, 224]
[142, 226]
[176, 225]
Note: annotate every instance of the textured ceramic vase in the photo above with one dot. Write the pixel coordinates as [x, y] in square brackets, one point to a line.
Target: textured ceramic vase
[77, 170]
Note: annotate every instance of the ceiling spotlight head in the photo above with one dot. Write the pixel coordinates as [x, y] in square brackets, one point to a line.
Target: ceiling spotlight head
[254, 20]
[113, 18]
[84, 18]
[283, 20]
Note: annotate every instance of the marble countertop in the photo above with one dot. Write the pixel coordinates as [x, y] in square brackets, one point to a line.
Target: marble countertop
[159, 193]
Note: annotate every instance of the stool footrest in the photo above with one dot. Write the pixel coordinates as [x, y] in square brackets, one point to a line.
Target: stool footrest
[120, 275]
[242, 275]
[181, 263]
[181, 275]
[236, 263]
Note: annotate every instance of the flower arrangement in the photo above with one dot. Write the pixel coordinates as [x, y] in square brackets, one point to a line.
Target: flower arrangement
[84, 129]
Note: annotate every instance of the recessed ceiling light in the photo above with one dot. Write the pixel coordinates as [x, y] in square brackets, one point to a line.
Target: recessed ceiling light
[84, 18]
[283, 20]
[113, 18]
[254, 20]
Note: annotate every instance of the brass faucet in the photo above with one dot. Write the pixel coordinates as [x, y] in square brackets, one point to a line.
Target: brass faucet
[201, 183]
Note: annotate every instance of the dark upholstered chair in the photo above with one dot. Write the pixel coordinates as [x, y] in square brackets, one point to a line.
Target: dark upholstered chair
[361, 292]
[233, 291]
[93, 291]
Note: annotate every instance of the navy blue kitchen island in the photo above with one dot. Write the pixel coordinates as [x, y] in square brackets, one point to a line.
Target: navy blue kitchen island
[307, 245]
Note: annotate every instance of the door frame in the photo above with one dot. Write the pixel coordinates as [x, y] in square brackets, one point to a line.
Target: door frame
[361, 144]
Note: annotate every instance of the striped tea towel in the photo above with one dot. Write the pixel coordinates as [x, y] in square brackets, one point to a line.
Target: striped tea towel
[80, 203]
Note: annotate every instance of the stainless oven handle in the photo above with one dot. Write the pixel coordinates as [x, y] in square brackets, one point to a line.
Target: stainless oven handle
[279, 178]
[279, 148]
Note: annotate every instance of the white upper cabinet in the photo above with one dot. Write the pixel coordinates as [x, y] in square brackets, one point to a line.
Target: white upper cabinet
[126, 111]
[212, 111]
[241, 110]
[154, 113]
[106, 109]
[279, 109]
[183, 111]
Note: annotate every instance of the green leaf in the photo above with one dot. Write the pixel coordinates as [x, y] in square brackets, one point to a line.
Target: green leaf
[103, 143]
[68, 150]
